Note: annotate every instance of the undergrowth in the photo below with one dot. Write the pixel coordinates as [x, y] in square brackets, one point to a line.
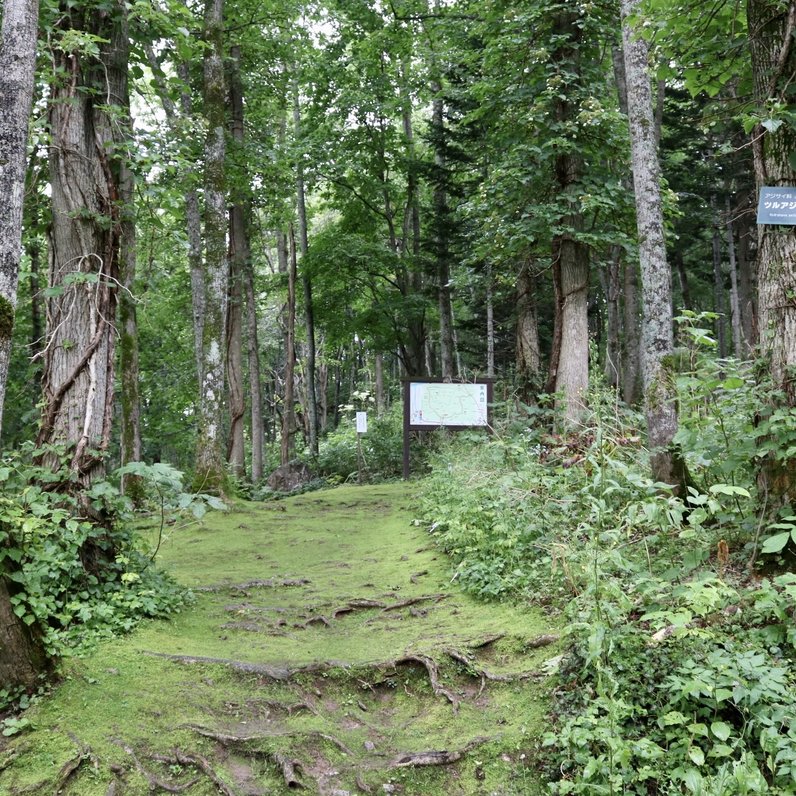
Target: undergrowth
[77, 567]
[681, 674]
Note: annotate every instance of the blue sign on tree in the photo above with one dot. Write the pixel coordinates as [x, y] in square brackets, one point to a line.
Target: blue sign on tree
[777, 205]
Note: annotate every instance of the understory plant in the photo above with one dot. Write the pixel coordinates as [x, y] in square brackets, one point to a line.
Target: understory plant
[681, 671]
[78, 565]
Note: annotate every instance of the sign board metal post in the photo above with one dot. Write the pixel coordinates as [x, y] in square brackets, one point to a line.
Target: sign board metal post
[441, 403]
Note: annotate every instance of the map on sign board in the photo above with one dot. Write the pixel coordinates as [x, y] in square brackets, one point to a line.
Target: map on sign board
[443, 404]
[777, 206]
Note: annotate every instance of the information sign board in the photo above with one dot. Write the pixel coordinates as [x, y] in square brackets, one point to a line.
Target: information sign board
[777, 205]
[436, 403]
[362, 422]
[453, 405]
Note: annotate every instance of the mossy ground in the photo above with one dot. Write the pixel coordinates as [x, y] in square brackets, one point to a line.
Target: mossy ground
[346, 617]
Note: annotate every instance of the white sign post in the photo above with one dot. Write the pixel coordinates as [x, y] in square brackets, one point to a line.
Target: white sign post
[362, 428]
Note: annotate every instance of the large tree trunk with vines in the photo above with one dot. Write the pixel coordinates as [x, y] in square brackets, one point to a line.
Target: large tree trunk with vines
[657, 333]
[771, 30]
[86, 155]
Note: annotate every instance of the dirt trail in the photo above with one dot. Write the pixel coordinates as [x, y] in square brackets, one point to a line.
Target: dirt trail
[327, 651]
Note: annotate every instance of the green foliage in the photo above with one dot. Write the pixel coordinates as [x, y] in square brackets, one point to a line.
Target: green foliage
[78, 570]
[681, 673]
[381, 449]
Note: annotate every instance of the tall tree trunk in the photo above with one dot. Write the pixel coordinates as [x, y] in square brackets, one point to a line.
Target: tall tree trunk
[571, 257]
[412, 353]
[306, 282]
[86, 152]
[193, 215]
[746, 285]
[210, 473]
[490, 324]
[682, 278]
[22, 658]
[771, 30]
[528, 356]
[441, 234]
[378, 368]
[288, 414]
[609, 277]
[738, 343]
[572, 375]
[657, 334]
[631, 361]
[718, 282]
[128, 336]
[239, 276]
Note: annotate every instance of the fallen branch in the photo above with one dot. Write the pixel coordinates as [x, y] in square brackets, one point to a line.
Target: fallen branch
[435, 758]
[199, 762]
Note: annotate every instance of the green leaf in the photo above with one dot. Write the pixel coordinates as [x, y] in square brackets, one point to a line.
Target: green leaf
[697, 755]
[729, 489]
[721, 730]
[774, 544]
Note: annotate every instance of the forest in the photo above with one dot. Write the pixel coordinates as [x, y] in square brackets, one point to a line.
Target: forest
[228, 226]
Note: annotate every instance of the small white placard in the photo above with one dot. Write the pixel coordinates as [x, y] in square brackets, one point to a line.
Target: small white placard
[362, 422]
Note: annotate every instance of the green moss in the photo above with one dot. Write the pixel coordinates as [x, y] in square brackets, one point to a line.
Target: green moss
[7, 314]
[349, 543]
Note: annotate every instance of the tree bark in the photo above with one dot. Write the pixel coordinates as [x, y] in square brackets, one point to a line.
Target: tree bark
[570, 256]
[718, 282]
[210, 474]
[288, 413]
[306, 282]
[87, 151]
[738, 342]
[239, 268]
[771, 29]
[17, 71]
[528, 355]
[631, 362]
[441, 246]
[657, 334]
[378, 379]
[490, 324]
[22, 658]
[612, 369]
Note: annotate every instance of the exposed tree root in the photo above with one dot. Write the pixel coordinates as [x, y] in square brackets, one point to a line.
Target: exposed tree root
[485, 642]
[288, 768]
[198, 762]
[155, 782]
[71, 766]
[433, 675]
[435, 758]
[362, 785]
[484, 674]
[114, 789]
[541, 641]
[270, 583]
[262, 669]
[435, 598]
[225, 738]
